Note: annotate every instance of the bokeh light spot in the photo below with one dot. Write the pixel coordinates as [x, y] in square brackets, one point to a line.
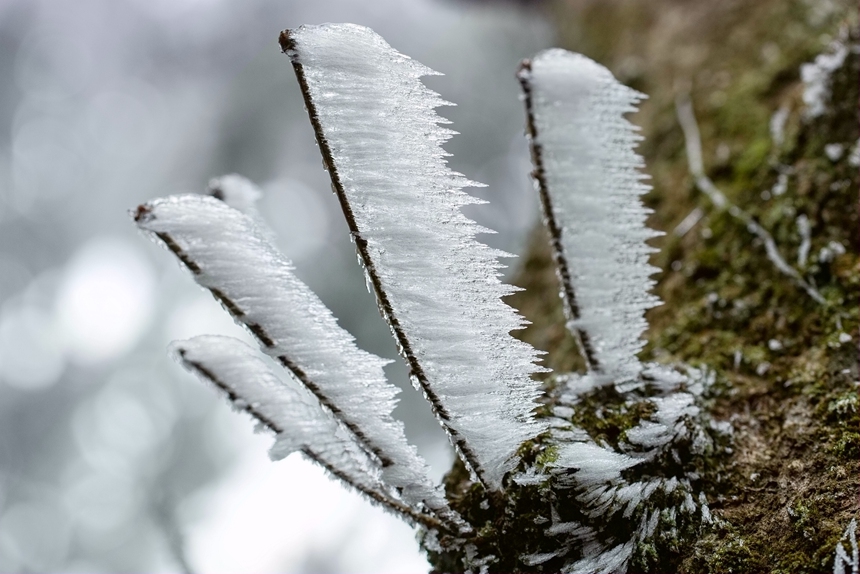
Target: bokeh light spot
[105, 299]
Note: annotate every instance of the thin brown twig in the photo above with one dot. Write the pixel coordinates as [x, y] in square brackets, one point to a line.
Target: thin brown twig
[374, 494]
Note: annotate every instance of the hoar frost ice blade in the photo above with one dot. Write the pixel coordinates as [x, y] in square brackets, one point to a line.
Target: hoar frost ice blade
[291, 413]
[589, 180]
[231, 256]
[435, 284]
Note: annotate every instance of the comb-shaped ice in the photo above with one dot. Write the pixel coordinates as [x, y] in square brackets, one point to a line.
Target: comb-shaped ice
[593, 180]
[594, 464]
[379, 122]
[233, 258]
[288, 410]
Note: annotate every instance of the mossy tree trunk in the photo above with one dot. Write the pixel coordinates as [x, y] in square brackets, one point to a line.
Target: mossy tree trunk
[788, 371]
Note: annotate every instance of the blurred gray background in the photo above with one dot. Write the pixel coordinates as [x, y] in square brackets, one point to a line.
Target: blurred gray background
[112, 459]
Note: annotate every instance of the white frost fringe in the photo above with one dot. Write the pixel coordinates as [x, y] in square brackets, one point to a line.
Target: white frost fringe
[236, 261]
[297, 419]
[593, 179]
[403, 204]
[588, 175]
[279, 404]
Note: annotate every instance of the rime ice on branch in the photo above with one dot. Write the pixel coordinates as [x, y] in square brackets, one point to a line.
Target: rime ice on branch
[589, 179]
[232, 257]
[291, 413]
[437, 286]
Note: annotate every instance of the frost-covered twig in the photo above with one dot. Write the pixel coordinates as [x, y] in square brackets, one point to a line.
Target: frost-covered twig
[229, 255]
[294, 416]
[571, 306]
[693, 141]
[436, 285]
[589, 178]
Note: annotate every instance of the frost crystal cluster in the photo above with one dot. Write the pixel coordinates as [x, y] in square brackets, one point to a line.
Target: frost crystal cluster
[816, 77]
[594, 504]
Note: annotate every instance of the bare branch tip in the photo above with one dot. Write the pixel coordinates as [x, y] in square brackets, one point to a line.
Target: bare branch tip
[524, 69]
[287, 43]
[142, 213]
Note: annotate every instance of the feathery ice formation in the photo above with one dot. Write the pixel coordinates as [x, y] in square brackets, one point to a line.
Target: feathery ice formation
[594, 503]
[437, 286]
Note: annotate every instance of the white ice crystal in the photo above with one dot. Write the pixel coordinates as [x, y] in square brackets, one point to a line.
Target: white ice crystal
[805, 230]
[435, 283]
[854, 155]
[593, 464]
[816, 78]
[834, 151]
[590, 181]
[608, 562]
[666, 424]
[830, 251]
[289, 411]
[232, 257]
[777, 125]
[539, 558]
[843, 559]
